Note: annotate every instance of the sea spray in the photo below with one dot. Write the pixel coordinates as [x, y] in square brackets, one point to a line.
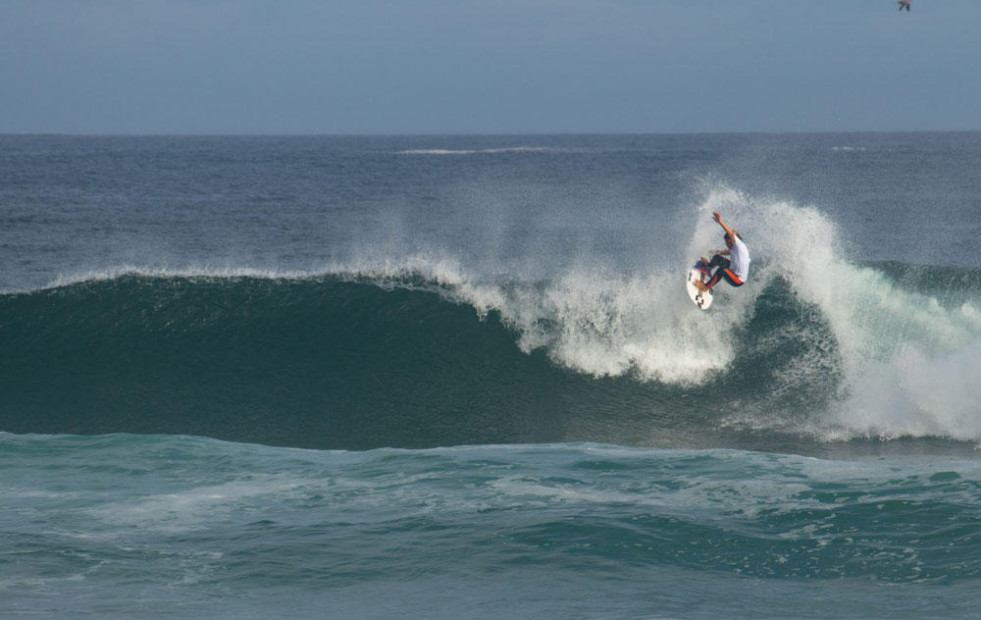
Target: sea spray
[900, 350]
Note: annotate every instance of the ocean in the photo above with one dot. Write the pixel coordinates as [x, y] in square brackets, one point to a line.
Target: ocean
[459, 377]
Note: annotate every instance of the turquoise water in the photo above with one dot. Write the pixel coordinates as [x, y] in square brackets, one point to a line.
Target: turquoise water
[159, 526]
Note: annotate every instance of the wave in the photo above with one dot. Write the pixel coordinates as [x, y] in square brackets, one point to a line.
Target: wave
[412, 357]
[425, 350]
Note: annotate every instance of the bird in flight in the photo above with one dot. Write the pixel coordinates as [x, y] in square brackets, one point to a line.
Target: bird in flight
[904, 4]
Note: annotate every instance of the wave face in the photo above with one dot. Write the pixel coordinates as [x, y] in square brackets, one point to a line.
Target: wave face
[351, 361]
[316, 362]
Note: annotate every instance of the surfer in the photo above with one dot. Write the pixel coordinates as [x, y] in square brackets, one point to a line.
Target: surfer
[904, 4]
[735, 268]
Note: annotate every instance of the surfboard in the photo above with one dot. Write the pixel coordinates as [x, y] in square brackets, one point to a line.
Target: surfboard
[701, 299]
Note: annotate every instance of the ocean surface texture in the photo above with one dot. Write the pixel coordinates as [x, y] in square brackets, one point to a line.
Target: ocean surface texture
[459, 377]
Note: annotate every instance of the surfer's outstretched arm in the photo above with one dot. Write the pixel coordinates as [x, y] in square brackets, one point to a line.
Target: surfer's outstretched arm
[718, 218]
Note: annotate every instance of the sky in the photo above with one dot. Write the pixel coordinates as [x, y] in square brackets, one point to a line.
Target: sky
[487, 66]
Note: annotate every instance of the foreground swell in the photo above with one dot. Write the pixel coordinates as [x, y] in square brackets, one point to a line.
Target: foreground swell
[172, 525]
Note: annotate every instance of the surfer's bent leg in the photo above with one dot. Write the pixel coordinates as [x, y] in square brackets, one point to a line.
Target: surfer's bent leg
[723, 271]
[722, 263]
[731, 277]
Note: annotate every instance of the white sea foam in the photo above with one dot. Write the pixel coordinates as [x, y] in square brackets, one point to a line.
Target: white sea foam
[600, 321]
[907, 358]
[192, 508]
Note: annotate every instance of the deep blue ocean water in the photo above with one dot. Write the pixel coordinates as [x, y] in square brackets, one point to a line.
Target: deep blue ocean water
[444, 377]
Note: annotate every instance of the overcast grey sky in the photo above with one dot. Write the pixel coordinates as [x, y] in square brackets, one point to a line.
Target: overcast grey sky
[487, 66]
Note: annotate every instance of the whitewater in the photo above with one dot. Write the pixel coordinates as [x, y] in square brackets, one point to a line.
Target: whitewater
[366, 376]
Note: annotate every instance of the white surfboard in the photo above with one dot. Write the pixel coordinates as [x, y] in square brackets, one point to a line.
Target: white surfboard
[701, 299]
